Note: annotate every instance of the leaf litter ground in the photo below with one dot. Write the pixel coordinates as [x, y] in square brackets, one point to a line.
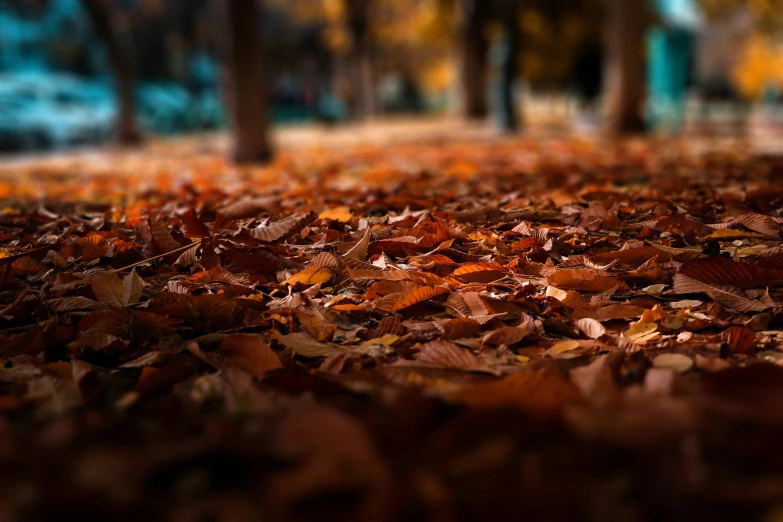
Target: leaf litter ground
[496, 329]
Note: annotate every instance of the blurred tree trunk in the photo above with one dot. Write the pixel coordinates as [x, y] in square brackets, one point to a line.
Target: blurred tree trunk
[127, 129]
[246, 90]
[508, 119]
[361, 58]
[472, 58]
[625, 66]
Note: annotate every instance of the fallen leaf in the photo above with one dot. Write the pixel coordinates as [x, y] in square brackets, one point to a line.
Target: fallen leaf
[591, 328]
[339, 214]
[673, 361]
[640, 330]
[312, 276]
[561, 347]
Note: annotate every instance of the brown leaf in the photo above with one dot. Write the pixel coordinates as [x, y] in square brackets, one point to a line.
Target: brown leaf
[607, 313]
[108, 288]
[633, 256]
[760, 223]
[304, 345]
[585, 281]
[396, 302]
[280, 229]
[93, 247]
[741, 339]
[216, 275]
[423, 278]
[27, 265]
[460, 328]
[259, 261]
[69, 304]
[445, 354]
[162, 238]
[194, 227]
[247, 352]
[479, 272]
[727, 296]
[132, 287]
[334, 363]
[248, 207]
[507, 335]
[683, 224]
[719, 271]
[360, 249]
[596, 380]
[540, 392]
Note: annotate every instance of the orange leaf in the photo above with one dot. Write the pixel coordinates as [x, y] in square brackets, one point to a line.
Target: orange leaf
[585, 280]
[540, 392]
[312, 276]
[396, 302]
[479, 272]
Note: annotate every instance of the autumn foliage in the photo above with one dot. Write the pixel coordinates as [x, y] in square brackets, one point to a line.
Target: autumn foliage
[506, 329]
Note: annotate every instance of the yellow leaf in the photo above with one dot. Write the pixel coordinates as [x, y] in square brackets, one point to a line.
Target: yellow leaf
[563, 346]
[312, 276]
[640, 330]
[386, 340]
[730, 233]
[339, 214]
[645, 338]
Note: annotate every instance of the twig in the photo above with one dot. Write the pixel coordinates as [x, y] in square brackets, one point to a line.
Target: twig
[143, 261]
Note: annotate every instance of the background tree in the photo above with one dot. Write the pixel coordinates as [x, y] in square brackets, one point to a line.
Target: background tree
[246, 89]
[508, 119]
[127, 130]
[625, 66]
[359, 21]
[471, 45]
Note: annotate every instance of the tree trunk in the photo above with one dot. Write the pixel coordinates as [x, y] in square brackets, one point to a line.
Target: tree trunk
[472, 59]
[508, 120]
[127, 130]
[366, 104]
[625, 66]
[246, 90]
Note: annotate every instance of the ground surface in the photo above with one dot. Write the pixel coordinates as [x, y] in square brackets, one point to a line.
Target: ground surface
[430, 328]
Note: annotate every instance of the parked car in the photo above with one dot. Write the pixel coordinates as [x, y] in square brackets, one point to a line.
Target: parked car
[43, 111]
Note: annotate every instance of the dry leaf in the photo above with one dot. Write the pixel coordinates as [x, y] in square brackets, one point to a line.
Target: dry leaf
[673, 361]
[561, 347]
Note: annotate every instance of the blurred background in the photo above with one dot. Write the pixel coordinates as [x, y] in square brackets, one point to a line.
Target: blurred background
[82, 72]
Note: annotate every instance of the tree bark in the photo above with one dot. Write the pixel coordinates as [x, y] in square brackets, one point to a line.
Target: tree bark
[508, 119]
[246, 89]
[127, 130]
[625, 66]
[472, 59]
[361, 58]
